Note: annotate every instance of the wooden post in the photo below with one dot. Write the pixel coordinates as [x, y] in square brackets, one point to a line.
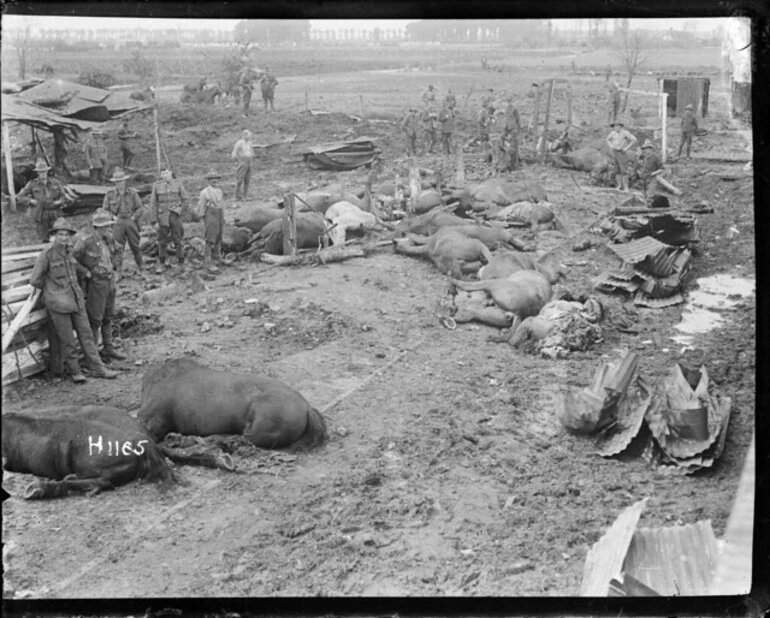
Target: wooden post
[157, 133]
[361, 105]
[663, 118]
[9, 165]
[546, 121]
[42, 149]
[307, 106]
[569, 103]
[536, 115]
[460, 167]
[34, 143]
[20, 318]
[289, 225]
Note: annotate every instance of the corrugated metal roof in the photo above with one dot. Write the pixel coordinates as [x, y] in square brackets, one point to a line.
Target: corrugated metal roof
[604, 560]
[656, 303]
[21, 111]
[734, 566]
[631, 409]
[636, 250]
[674, 561]
[53, 88]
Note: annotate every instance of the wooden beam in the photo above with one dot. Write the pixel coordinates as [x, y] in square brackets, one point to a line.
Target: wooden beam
[15, 280]
[548, 102]
[16, 294]
[22, 363]
[663, 125]
[569, 103]
[9, 165]
[8, 251]
[289, 225]
[36, 316]
[12, 266]
[157, 133]
[535, 122]
[21, 316]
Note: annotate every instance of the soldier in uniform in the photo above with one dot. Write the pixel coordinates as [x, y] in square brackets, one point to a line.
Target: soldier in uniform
[447, 119]
[167, 204]
[267, 85]
[429, 96]
[126, 205]
[450, 99]
[483, 121]
[410, 124]
[689, 127]
[246, 83]
[98, 255]
[56, 273]
[243, 153]
[210, 207]
[96, 156]
[613, 102]
[125, 134]
[429, 125]
[651, 169]
[620, 142]
[47, 196]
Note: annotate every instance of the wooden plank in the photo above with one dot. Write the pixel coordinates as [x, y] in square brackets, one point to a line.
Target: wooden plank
[12, 257]
[16, 294]
[15, 280]
[36, 316]
[22, 315]
[22, 364]
[17, 265]
[548, 104]
[289, 225]
[9, 164]
[12, 250]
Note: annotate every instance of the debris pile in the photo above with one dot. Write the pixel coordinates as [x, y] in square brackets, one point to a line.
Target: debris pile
[671, 228]
[652, 271]
[687, 424]
[130, 322]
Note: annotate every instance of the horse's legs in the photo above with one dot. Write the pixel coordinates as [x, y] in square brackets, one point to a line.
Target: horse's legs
[44, 489]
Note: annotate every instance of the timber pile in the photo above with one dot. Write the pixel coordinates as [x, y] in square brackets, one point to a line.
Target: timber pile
[24, 317]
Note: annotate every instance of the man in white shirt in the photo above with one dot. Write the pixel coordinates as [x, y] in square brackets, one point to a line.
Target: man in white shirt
[620, 142]
[243, 153]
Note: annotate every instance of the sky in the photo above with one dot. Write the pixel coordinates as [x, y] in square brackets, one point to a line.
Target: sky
[101, 23]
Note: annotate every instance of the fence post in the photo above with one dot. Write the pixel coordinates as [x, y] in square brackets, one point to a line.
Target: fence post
[9, 165]
[289, 225]
[548, 102]
[663, 131]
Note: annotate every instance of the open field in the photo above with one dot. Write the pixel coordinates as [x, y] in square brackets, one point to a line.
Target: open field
[447, 471]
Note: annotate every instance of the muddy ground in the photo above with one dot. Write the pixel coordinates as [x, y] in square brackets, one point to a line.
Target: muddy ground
[447, 472]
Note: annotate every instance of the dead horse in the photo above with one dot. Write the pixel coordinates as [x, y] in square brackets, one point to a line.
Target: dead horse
[85, 448]
[186, 397]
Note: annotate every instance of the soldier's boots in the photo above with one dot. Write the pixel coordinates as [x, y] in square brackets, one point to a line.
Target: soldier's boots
[78, 378]
[160, 268]
[111, 352]
[103, 372]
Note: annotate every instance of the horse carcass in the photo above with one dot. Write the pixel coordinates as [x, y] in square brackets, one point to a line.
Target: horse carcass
[586, 159]
[188, 398]
[82, 448]
[502, 192]
[344, 217]
[450, 251]
[536, 216]
[430, 223]
[311, 229]
[523, 293]
[255, 218]
[508, 262]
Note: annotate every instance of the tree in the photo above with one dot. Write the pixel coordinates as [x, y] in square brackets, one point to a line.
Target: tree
[633, 51]
[22, 42]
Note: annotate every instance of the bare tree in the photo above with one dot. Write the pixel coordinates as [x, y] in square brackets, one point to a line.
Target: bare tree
[22, 42]
[633, 50]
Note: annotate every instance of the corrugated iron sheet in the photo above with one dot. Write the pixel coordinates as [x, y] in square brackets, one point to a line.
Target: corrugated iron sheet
[674, 561]
[53, 88]
[21, 111]
[636, 250]
[604, 560]
[631, 409]
[734, 566]
[656, 303]
[354, 145]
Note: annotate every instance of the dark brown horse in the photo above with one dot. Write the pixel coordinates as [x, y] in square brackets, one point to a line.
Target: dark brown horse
[82, 448]
[186, 397]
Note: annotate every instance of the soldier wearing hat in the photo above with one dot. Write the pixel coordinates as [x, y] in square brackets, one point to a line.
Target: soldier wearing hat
[167, 205]
[620, 142]
[450, 99]
[210, 208]
[96, 155]
[652, 169]
[124, 135]
[429, 96]
[689, 128]
[483, 120]
[56, 272]
[511, 130]
[429, 126]
[410, 124]
[243, 153]
[97, 253]
[47, 196]
[126, 205]
[267, 85]
[446, 118]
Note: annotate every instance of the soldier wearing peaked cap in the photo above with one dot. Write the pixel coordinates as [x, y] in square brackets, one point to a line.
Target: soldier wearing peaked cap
[47, 196]
[97, 253]
[96, 156]
[56, 273]
[167, 206]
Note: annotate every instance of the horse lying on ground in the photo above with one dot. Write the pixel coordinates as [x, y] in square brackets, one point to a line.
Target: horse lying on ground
[452, 252]
[508, 262]
[536, 216]
[311, 230]
[430, 223]
[82, 448]
[188, 398]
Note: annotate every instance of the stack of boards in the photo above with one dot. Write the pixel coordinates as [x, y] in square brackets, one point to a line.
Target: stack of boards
[24, 317]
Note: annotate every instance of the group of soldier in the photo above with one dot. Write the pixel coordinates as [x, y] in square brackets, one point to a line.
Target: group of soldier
[504, 149]
[247, 80]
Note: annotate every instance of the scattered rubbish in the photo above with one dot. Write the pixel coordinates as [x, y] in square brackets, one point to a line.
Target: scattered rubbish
[670, 561]
[676, 229]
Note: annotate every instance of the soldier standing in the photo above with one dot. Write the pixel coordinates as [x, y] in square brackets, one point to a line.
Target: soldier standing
[429, 125]
[511, 131]
[56, 273]
[613, 102]
[167, 205]
[244, 154]
[447, 119]
[429, 96]
[210, 206]
[124, 134]
[689, 127]
[246, 82]
[96, 156]
[47, 196]
[410, 124]
[126, 205]
[482, 125]
[620, 142]
[98, 254]
[450, 99]
[267, 85]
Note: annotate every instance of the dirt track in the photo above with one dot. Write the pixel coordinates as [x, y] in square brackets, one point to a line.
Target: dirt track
[447, 472]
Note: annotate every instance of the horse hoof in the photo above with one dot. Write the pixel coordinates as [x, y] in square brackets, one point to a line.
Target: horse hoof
[33, 491]
[225, 462]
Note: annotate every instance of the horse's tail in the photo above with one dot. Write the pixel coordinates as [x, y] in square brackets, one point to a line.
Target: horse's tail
[154, 467]
[315, 432]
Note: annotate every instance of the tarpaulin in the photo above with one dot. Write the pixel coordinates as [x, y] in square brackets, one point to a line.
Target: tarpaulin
[345, 155]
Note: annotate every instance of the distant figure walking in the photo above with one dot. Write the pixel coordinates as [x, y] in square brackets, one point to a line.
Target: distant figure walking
[410, 124]
[96, 156]
[125, 134]
[689, 128]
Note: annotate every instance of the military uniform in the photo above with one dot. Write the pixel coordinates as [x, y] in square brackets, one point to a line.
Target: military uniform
[127, 207]
[124, 135]
[267, 85]
[447, 119]
[651, 163]
[100, 258]
[49, 195]
[429, 126]
[429, 96]
[167, 205]
[410, 125]
[613, 104]
[511, 133]
[210, 205]
[246, 83]
[243, 153]
[56, 273]
[450, 100]
[689, 127]
[482, 125]
[96, 157]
